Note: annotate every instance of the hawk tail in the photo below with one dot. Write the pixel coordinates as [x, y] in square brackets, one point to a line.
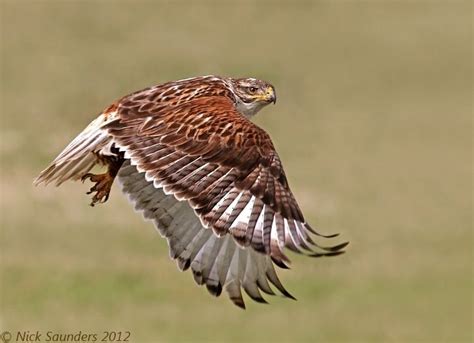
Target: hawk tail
[79, 157]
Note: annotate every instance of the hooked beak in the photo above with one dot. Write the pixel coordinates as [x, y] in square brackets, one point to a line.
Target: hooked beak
[270, 95]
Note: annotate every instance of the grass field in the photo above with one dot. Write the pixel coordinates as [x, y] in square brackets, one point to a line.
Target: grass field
[373, 124]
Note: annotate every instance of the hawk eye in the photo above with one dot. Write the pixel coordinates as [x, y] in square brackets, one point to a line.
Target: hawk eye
[252, 89]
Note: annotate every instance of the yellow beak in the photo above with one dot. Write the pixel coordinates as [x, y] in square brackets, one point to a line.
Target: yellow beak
[270, 94]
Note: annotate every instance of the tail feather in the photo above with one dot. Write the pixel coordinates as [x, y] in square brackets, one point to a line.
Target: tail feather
[78, 157]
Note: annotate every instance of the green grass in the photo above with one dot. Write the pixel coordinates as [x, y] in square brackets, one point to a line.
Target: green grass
[374, 126]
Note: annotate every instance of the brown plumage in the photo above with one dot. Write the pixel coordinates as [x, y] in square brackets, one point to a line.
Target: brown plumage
[190, 159]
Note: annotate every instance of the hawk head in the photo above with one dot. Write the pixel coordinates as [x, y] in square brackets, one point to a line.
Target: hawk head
[252, 95]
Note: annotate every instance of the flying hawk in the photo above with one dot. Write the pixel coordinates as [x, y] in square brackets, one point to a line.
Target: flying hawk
[190, 160]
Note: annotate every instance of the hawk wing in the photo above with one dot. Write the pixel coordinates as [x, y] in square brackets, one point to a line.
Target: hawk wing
[204, 155]
[217, 262]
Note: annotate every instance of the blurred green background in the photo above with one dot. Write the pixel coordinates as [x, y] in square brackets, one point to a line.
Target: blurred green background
[373, 123]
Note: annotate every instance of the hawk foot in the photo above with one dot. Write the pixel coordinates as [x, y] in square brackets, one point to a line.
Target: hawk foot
[103, 184]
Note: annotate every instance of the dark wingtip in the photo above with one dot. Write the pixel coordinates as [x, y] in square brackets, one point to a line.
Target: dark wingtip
[280, 263]
[260, 300]
[265, 290]
[310, 229]
[255, 295]
[239, 302]
[339, 246]
[273, 278]
[333, 248]
[327, 254]
[215, 290]
[183, 264]
[288, 295]
[328, 236]
[197, 275]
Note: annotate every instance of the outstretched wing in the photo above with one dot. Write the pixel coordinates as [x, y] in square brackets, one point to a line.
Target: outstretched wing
[215, 261]
[225, 167]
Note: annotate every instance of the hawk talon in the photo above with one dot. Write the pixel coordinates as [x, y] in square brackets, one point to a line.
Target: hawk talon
[102, 187]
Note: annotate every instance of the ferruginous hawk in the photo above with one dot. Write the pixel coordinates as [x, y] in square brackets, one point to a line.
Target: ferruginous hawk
[190, 160]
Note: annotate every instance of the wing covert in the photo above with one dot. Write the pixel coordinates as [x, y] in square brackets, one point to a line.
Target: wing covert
[204, 151]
